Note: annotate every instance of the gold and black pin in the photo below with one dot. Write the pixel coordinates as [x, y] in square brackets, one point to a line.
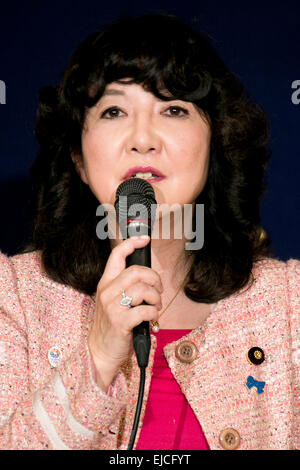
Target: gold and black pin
[256, 356]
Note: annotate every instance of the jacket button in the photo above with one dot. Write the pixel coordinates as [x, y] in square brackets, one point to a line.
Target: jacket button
[186, 351]
[229, 439]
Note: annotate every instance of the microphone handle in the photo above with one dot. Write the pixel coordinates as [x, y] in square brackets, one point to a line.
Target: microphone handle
[141, 332]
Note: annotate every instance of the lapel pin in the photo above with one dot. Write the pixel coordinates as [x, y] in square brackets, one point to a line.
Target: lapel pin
[54, 356]
[256, 356]
[251, 382]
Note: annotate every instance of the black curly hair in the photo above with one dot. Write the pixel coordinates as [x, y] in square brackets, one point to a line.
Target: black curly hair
[183, 61]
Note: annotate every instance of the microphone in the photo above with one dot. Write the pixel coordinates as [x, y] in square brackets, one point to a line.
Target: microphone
[135, 208]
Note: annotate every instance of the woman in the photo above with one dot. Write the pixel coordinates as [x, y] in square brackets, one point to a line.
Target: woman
[222, 366]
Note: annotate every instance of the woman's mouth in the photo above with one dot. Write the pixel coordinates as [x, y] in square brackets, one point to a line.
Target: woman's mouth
[152, 175]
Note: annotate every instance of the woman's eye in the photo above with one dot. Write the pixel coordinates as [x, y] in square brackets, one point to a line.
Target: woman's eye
[177, 111]
[111, 113]
[115, 112]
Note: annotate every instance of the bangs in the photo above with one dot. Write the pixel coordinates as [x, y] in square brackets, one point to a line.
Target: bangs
[163, 57]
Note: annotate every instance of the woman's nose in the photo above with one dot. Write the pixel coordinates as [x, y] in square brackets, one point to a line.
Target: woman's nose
[143, 137]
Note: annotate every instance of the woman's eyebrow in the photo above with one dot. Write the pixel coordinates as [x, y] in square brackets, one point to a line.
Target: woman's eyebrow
[115, 92]
[112, 91]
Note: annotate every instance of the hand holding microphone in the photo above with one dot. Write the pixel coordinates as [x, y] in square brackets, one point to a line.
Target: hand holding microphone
[111, 336]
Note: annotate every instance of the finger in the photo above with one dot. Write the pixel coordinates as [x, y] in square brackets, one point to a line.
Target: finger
[136, 315]
[131, 277]
[142, 292]
[117, 260]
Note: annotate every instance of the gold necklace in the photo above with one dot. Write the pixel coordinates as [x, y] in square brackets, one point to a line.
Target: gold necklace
[154, 324]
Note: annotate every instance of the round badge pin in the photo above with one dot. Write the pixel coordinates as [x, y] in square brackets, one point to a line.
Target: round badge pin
[54, 356]
[256, 356]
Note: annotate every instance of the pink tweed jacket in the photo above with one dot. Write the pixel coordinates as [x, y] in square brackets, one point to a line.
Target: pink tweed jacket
[48, 399]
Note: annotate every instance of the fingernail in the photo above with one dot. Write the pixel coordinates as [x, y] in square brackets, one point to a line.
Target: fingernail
[140, 237]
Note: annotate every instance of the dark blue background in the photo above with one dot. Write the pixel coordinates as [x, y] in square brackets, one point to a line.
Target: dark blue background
[259, 41]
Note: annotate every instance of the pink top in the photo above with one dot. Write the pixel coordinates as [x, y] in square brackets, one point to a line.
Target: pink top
[169, 422]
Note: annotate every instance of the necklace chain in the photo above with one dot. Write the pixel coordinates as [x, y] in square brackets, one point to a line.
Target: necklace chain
[154, 324]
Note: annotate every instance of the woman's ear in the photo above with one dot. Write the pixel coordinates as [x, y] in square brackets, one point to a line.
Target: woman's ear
[79, 166]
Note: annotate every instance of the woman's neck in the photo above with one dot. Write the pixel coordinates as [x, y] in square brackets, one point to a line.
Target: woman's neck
[169, 259]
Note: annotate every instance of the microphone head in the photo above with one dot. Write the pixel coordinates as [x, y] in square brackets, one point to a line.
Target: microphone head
[135, 207]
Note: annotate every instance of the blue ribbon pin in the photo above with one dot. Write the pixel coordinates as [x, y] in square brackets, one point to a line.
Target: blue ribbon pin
[251, 382]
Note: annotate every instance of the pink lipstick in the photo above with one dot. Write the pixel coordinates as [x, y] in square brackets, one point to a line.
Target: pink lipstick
[155, 177]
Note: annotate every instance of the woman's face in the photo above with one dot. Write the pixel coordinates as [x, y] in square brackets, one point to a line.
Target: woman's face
[130, 127]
